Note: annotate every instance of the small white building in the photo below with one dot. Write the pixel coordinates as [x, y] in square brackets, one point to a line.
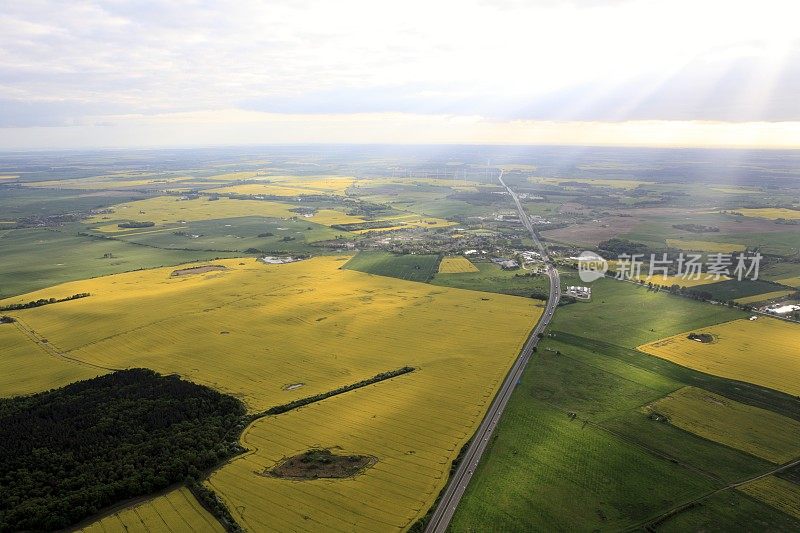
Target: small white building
[581, 293]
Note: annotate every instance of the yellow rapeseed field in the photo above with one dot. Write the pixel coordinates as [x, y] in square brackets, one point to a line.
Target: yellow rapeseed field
[415, 220]
[705, 246]
[456, 265]
[292, 186]
[756, 431]
[171, 210]
[772, 213]
[178, 510]
[27, 367]
[764, 297]
[659, 279]
[764, 351]
[779, 493]
[414, 425]
[791, 282]
[234, 176]
[254, 329]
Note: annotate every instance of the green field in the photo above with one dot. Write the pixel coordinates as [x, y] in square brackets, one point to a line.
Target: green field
[730, 511]
[629, 314]
[575, 451]
[733, 289]
[409, 267]
[236, 234]
[492, 278]
[36, 258]
[16, 203]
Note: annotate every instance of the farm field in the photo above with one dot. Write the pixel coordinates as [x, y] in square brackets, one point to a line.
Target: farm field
[791, 282]
[115, 182]
[237, 234]
[784, 273]
[704, 246]
[776, 492]
[725, 290]
[728, 511]
[668, 281]
[566, 475]
[764, 297]
[34, 258]
[597, 182]
[656, 315]
[490, 277]
[456, 265]
[178, 510]
[756, 431]
[408, 267]
[414, 425]
[26, 367]
[291, 186]
[764, 351]
[772, 213]
[346, 313]
[169, 210]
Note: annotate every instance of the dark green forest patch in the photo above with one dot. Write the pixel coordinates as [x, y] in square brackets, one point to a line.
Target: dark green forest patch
[70, 452]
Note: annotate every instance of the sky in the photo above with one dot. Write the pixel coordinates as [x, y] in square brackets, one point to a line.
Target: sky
[187, 73]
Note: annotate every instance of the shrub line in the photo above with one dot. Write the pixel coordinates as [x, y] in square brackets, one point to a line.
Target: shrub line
[278, 409]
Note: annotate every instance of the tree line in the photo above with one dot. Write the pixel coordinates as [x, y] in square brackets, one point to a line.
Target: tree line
[43, 301]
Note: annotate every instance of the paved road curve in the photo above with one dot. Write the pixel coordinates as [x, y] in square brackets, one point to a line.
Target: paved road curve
[458, 483]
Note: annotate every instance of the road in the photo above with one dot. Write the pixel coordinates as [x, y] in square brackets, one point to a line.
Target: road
[440, 519]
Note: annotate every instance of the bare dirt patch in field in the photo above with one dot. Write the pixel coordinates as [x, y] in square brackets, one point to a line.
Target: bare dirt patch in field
[197, 270]
[316, 464]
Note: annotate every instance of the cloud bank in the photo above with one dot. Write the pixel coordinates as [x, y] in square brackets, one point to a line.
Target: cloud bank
[90, 66]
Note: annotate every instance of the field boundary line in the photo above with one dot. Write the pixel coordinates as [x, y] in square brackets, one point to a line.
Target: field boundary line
[48, 348]
[651, 523]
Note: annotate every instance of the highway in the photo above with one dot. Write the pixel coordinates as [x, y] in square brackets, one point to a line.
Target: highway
[446, 508]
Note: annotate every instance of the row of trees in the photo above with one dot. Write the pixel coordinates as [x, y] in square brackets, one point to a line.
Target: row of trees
[43, 301]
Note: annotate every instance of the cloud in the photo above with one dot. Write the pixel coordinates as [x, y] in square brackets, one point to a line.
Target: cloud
[236, 127]
[77, 63]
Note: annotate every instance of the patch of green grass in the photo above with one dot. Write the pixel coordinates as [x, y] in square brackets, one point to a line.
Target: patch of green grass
[492, 278]
[632, 315]
[729, 511]
[602, 352]
[733, 289]
[609, 392]
[714, 460]
[547, 472]
[37, 258]
[410, 267]
[17, 203]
